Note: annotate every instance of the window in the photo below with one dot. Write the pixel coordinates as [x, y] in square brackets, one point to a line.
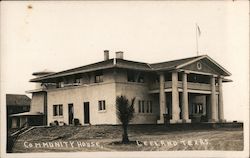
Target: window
[25, 108]
[145, 106]
[66, 81]
[139, 106]
[60, 84]
[101, 105]
[134, 76]
[141, 78]
[131, 76]
[58, 110]
[77, 80]
[55, 110]
[142, 105]
[99, 77]
[149, 105]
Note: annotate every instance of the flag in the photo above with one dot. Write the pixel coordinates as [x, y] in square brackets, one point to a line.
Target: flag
[198, 29]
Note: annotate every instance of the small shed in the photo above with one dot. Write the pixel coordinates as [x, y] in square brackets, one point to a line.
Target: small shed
[16, 103]
[27, 119]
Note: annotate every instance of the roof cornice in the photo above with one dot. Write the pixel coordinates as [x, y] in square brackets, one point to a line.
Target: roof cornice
[126, 64]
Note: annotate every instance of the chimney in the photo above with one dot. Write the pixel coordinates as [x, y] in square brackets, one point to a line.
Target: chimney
[106, 54]
[119, 55]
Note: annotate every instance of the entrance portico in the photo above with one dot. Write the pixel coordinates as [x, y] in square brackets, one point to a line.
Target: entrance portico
[180, 103]
[186, 86]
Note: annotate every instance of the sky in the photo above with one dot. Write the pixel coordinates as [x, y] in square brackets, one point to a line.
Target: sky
[60, 35]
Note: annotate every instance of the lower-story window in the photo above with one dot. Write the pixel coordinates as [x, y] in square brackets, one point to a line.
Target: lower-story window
[145, 106]
[101, 105]
[58, 110]
[197, 108]
[141, 106]
[150, 106]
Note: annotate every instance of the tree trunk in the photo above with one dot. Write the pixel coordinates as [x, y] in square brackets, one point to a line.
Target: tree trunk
[125, 135]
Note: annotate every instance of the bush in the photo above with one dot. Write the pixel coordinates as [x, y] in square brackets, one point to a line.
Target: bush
[55, 123]
[76, 122]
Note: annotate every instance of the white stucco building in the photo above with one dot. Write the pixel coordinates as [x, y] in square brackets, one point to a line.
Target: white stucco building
[184, 91]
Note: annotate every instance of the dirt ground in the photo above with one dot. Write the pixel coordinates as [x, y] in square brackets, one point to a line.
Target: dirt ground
[143, 138]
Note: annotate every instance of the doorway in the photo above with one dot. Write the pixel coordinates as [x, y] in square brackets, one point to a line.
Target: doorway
[86, 112]
[71, 113]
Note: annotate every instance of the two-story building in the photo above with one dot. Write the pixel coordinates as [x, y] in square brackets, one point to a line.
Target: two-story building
[185, 90]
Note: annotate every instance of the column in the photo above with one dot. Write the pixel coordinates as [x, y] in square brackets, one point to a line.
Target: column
[185, 114]
[208, 107]
[14, 122]
[213, 100]
[175, 99]
[221, 108]
[162, 98]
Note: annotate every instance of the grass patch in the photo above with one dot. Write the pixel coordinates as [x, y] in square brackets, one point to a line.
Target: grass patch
[143, 138]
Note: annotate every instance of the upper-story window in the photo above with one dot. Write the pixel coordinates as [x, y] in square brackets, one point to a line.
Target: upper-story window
[131, 75]
[77, 80]
[134, 76]
[70, 81]
[26, 108]
[98, 77]
[141, 78]
[60, 84]
[66, 81]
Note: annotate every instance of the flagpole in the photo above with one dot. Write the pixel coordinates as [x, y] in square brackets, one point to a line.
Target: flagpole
[197, 48]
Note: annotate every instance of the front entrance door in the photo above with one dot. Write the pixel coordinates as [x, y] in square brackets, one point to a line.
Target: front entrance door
[86, 112]
[71, 113]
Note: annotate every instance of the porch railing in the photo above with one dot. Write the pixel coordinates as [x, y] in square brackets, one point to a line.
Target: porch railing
[190, 85]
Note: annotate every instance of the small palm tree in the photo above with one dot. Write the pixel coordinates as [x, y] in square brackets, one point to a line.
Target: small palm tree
[125, 113]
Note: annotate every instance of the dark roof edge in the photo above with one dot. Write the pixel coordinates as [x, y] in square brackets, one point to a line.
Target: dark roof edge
[209, 58]
[68, 74]
[64, 71]
[176, 60]
[114, 64]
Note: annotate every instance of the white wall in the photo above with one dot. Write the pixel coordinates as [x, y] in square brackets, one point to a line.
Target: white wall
[77, 95]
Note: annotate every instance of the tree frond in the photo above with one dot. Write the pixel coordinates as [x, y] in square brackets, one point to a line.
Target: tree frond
[125, 111]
